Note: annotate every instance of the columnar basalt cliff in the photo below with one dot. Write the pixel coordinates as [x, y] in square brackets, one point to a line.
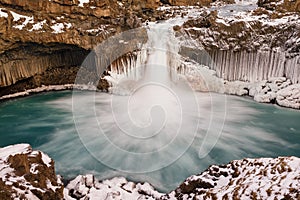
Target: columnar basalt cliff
[45, 42]
[251, 46]
[247, 48]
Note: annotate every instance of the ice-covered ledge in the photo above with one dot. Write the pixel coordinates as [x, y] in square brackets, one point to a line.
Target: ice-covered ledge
[48, 88]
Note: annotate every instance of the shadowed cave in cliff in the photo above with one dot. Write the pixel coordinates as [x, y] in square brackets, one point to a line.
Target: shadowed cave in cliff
[32, 65]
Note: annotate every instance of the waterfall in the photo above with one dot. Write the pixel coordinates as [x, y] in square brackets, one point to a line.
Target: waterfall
[156, 61]
[163, 54]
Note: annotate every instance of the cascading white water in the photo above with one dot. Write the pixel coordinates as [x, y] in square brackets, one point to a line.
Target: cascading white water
[163, 54]
[156, 61]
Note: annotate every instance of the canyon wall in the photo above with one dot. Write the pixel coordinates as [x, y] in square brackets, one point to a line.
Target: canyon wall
[45, 42]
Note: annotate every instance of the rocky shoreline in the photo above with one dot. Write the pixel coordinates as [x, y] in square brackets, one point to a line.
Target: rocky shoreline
[29, 174]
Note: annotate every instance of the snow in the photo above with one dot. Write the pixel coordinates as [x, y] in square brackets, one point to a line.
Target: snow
[243, 16]
[43, 89]
[68, 25]
[99, 29]
[26, 20]
[38, 26]
[46, 159]
[81, 2]
[58, 28]
[283, 20]
[9, 177]
[33, 169]
[17, 17]
[116, 188]
[3, 14]
[289, 96]
[50, 88]
[13, 150]
[267, 177]
[246, 2]
[222, 21]
[50, 186]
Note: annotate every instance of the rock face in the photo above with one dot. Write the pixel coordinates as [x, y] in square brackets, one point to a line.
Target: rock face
[45, 42]
[28, 174]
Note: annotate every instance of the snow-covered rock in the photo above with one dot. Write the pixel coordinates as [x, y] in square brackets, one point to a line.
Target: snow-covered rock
[264, 178]
[266, 91]
[88, 187]
[28, 174]
[289, 97]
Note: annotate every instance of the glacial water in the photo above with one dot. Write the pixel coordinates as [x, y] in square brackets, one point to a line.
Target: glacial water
[250, 130]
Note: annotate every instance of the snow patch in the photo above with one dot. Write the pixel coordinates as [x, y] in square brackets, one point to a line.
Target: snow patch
[59, 27]
[13, 150]
[3, 14]
[18, 17]
[38, 26]
[82, 2]
[46, 159]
